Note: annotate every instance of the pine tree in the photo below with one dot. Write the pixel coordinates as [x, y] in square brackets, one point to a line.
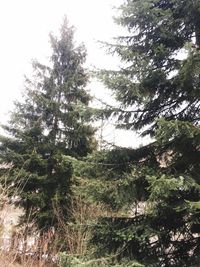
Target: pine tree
[44, 128]
[158, 88]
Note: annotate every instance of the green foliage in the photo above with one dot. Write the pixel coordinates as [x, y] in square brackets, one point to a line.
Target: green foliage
[46, 126]
[109, 176]
[170, 222]
[70, 261]
[157, 79]
[158, 91]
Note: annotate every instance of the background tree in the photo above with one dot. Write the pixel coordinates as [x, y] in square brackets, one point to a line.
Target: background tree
[158, 88]
[45, 127]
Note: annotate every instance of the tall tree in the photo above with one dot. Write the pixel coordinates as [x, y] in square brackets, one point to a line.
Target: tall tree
[158, 88]
[45, 127]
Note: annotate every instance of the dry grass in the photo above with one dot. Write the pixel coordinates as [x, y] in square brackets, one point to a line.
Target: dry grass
[76, 234]
[18, 253]
[11, 239]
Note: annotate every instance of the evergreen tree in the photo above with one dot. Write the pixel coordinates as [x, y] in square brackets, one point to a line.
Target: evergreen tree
[158, 88]
[44, 128]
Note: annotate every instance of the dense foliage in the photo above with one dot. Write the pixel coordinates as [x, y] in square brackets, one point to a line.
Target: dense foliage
[45, 127]
[161, 63]
[151, 194]
[158, 88]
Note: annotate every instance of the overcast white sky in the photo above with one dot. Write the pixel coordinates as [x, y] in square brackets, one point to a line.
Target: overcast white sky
[24, 29]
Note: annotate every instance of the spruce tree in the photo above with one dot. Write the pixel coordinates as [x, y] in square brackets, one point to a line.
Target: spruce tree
[158, 88]
[44, 128]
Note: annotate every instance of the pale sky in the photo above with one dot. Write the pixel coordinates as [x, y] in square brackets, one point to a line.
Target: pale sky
[25, 26]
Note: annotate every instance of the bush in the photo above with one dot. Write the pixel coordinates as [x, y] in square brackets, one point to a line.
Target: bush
[66, 260]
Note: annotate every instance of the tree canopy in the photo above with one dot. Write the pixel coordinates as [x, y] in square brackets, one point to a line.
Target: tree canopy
[152, 192]
[160, 56]
[45, 127]
[158, 90]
